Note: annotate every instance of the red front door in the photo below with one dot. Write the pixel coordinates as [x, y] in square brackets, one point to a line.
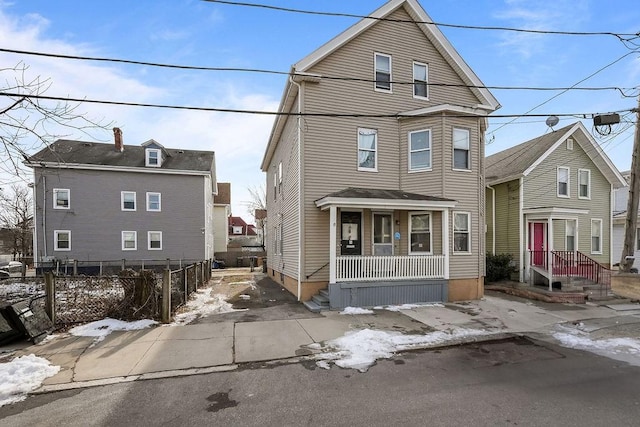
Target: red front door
[536, 242]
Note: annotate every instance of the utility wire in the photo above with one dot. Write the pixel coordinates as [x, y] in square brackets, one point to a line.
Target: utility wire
[620, 36]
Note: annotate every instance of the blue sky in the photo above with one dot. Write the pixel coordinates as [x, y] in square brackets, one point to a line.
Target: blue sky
[194, 32]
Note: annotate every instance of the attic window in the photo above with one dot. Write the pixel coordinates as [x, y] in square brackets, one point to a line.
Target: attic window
[153, 157]
[569, 143]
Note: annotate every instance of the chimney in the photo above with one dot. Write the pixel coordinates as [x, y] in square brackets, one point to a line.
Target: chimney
[117, 137]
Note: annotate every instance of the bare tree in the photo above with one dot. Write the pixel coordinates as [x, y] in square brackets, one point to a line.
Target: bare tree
[27, 123]
[16, 216]
[257, 208]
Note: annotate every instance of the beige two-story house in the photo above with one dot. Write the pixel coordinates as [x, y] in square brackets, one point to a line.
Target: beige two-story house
[375, 191]
[550, 205]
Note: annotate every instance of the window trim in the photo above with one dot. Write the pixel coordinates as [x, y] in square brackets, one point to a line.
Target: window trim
[588, 196]
[149, 194]
[135, 201]
[468, 232]
[453, 148]
[568, 195]
[147, 156]
[280, 177]
[375, 150]
[275, 185]
[410, 227]
[56, 233]
[599, 251]
[375, 72]
[430, 150]
[55, 198]
[426, 82]
[575, 234]
[135, 240]
[149, 241]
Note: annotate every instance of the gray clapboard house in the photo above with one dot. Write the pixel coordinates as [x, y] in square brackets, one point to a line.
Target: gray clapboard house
[103, 202]
[550, 205]
[375, 192]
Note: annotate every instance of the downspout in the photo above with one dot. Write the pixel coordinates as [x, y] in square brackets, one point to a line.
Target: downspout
[300, 202]
[493, 219]
[611, 203]
[521, 229]
[44, 213]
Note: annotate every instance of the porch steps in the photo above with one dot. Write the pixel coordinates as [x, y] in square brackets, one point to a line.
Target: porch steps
[318, 302]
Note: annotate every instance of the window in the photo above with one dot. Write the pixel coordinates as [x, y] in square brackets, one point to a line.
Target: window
[154, 203]
[277, 242]
[280, 177]
[570, 232]
[461, 158]
[420, 230]
[584, 184]
[461, 232]
[367, 147]
[153, 157]
[62, 240]
[155, 240]
[236, 229]
[420, 150]
[596, 236]
[61, 198]
[420, 80]
[383, 72]
[275, 185]
[129, 241]
[563, 181]
[128, 199]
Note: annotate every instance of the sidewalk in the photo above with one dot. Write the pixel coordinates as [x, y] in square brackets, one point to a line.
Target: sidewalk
[166, 351]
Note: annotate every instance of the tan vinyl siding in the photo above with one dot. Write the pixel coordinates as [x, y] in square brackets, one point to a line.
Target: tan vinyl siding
[540, 191]
[507, 223]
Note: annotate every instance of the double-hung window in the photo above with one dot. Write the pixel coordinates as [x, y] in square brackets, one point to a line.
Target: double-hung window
[461, 232]
[129, 241]
[367, 149]
[61, 198]
[154, 202]
[570, 232]
[128, 200]
[420, 80]
[383, 72]
[280, 177]
[461, 149]
[420, 150]
[596, 236]
[275, 185]
[562, 178]
[62, 240]
[584, 184]
[420, 224]
[153, 157]
[155, 240]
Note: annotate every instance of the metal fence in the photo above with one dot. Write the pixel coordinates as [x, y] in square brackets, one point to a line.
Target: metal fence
[75, 267]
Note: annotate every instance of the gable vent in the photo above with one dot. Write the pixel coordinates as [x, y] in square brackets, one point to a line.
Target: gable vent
[569, 143]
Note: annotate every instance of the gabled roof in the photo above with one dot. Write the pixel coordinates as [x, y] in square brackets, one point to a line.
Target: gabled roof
[63, 153]
[301, 69]
[522, 159]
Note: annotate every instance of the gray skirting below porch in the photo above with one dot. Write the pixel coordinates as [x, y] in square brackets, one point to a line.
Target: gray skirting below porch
[372, 294]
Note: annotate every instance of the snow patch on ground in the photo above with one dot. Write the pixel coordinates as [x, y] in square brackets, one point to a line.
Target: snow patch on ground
[22, 375]
[407, 306]
[581, 340]
[356, 310]
[100, 329]
[202, 303]
[360, 349]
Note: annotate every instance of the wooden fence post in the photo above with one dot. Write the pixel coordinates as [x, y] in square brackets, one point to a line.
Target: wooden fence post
[124, 264]
[50, 296]
[166, 296]
[75, 267]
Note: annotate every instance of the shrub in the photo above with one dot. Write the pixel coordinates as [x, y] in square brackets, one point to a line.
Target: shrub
[499, 267]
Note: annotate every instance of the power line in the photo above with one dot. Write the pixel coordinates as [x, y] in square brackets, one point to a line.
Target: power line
[277, 113]
[620, 36]
[285, 73]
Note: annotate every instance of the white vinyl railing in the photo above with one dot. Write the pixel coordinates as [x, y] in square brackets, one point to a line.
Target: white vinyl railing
[409, 267]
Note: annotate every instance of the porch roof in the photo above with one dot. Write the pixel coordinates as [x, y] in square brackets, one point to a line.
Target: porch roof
[372, 198]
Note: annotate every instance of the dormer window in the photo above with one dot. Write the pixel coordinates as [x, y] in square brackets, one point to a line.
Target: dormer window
[154, 158]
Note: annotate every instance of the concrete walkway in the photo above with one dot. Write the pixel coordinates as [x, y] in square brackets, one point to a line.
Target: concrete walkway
[166, 351]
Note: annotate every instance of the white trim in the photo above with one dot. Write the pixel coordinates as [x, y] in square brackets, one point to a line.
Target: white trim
[147, 157]
[373, 235]
[453, 149]
[437, 109]
[149, 241]
[554, 212]
[410, 230]
[55, 194]
[588, 196]
[135, 201]
[523, 258]
[333, 242]
[445, 241]
[426, 82]
[55, 240]
[599, 252]
[568, 195]
[135, 169]
[468, 231]
[326, 202]
[429, 150]
[375, 72]
[150, 193]
[375, 150]
[135, 240]
[575, 234]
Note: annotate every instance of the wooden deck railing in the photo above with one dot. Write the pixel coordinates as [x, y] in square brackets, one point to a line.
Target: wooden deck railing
[409, 267]
[572, 264]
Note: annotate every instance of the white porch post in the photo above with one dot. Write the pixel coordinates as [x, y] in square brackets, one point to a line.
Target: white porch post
[333, 219]
[527, 252]
[549, 249]
[445, 241]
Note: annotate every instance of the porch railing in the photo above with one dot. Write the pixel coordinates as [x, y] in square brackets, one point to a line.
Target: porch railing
[572, 264]
[409, 267]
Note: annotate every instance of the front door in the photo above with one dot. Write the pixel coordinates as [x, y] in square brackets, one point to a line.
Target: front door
[351, 233]
[537, 232]
[382, 234]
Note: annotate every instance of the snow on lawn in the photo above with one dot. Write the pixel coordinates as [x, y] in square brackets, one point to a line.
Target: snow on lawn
[201, 304]
[22, 375]
[575, 338]
[100, 329]
[360, 349]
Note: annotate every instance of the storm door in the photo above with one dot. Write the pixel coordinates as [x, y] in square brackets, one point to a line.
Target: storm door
[351, 233]
[382, 234]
